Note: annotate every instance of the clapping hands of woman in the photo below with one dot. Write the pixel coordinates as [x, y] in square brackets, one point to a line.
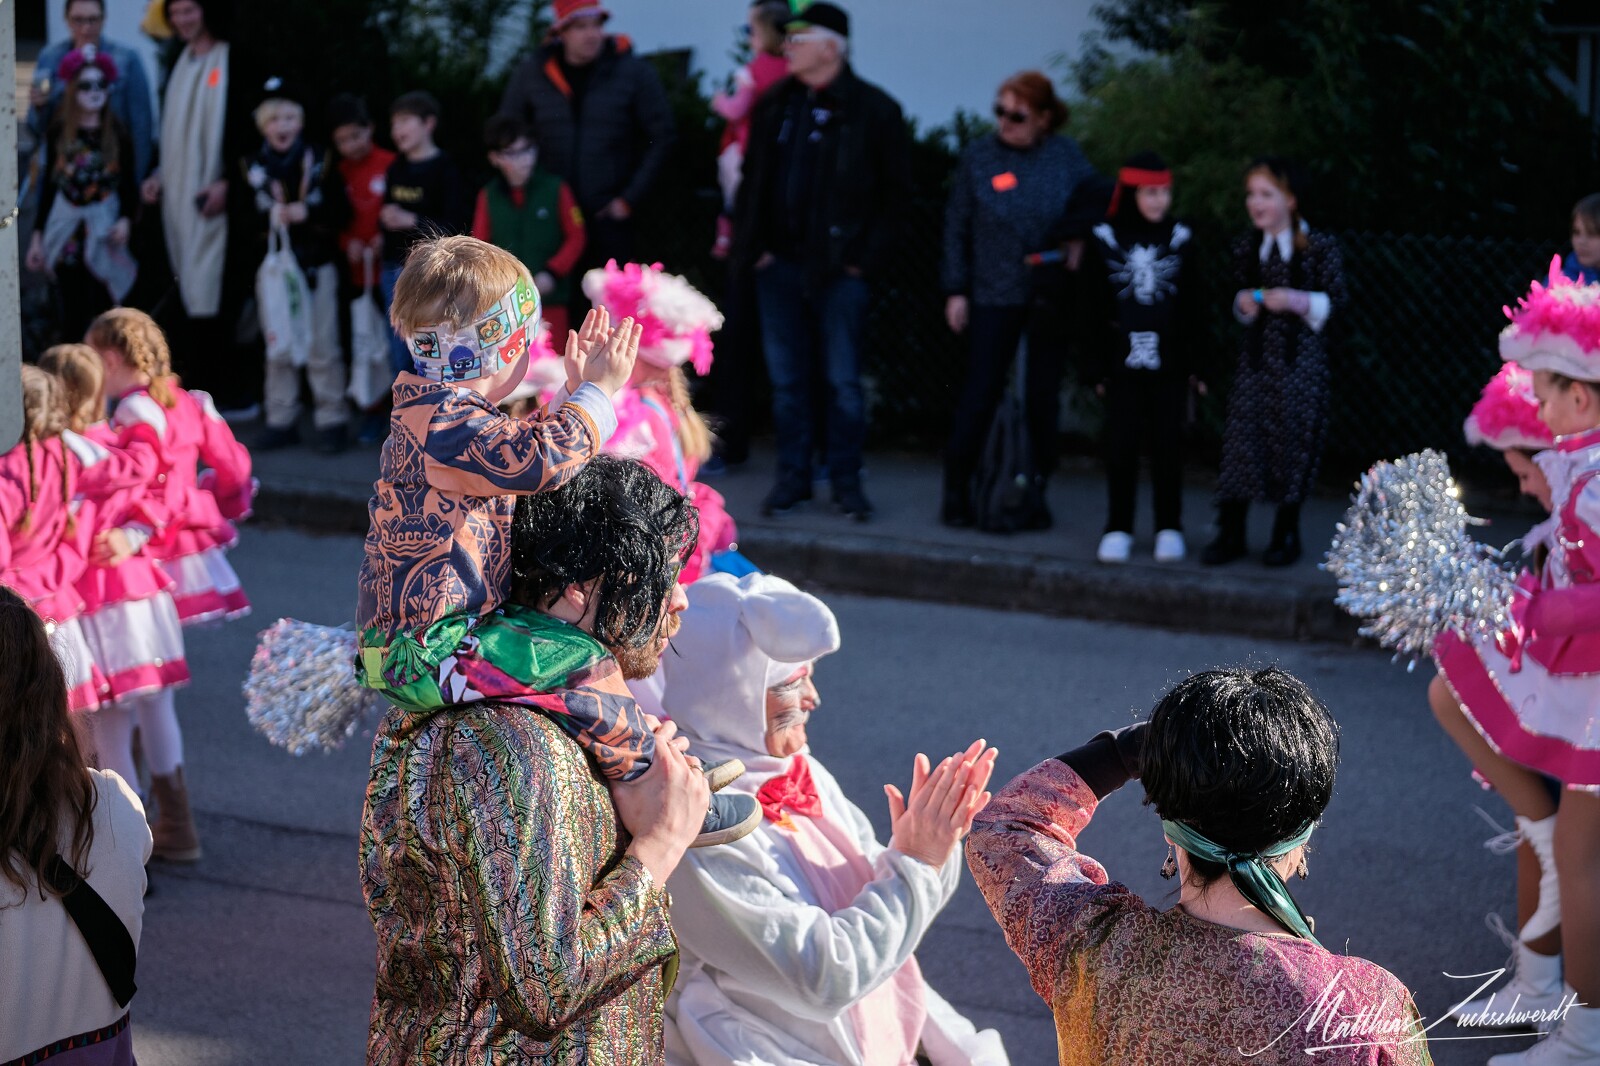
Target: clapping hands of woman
[943, 802]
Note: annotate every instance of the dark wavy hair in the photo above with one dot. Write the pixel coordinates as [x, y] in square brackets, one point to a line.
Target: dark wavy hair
[615, 523]
[1247, 757]
[47, 794]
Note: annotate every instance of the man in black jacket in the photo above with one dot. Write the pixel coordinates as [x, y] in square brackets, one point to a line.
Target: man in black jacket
[600, 118]
[826, 176]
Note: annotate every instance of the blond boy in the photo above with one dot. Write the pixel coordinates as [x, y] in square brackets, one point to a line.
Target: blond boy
[434, 628]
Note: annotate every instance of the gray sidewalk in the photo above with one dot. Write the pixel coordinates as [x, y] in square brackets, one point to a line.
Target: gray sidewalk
[905, 552]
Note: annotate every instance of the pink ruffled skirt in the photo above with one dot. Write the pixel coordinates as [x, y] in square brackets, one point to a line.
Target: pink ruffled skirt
[137, 645]
[205, 588]
[1547, 722]
[84, 679]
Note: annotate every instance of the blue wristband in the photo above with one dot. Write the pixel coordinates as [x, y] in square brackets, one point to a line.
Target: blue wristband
[1258, 297]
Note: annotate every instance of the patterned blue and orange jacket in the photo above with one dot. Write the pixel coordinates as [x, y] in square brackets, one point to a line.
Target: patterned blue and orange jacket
[439, 541]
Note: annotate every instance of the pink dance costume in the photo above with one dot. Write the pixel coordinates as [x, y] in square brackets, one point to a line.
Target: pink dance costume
[647, 430]
[1534, 691]
[46, 485]
[130, 620]
[677, 323]
[195, 512]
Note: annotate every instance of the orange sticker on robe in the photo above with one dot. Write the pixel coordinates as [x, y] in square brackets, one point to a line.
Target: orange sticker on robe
[214, 78]
[1004, 182]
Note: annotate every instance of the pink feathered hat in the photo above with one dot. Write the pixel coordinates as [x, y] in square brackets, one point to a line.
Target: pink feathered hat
[1507, 414]
[678, 320]
[87, 56]
[1556, 327]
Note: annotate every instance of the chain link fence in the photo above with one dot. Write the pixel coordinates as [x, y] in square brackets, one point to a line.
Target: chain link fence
[1413, 349]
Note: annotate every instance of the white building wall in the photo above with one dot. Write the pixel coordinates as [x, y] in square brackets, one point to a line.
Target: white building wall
[934, 56]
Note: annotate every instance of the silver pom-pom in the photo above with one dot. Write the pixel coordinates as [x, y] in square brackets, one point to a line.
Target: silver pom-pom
[303, 692]
[1407, 564]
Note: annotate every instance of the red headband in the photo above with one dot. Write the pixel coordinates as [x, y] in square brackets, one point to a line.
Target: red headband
[1132, 177]
[1135, 176]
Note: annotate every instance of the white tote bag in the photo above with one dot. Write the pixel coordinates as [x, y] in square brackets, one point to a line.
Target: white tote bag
[371, 377]
[284, 301]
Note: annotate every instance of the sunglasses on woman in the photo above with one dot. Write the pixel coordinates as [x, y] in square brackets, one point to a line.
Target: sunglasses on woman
[91, 85]
[1018, 117]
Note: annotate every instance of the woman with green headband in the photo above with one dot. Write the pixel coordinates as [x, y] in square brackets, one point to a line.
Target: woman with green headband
[1239, 764]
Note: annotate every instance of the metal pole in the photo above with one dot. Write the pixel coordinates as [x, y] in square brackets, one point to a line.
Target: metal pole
[10, 269]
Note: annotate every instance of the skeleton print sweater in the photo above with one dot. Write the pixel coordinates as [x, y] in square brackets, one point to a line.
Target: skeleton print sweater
[1140, 299]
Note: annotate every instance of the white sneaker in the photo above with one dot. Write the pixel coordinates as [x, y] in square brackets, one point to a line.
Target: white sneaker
[1170, 547]
[1115, 548]
[1575, 1041]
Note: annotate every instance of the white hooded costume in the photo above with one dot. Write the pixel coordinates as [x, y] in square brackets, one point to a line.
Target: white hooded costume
[797, 940]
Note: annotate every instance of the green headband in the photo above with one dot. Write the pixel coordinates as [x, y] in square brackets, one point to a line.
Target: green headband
[1250, 874]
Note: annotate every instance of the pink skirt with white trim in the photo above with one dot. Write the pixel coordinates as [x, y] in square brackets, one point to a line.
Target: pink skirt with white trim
[206, 588]
[84, 679]
[1546, 722]
[138, 646]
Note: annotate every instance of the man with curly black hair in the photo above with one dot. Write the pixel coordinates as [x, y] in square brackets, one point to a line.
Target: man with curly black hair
[496, 860]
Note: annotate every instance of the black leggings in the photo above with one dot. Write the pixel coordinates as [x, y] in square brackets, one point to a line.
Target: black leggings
[993, 334]
[1144, 411]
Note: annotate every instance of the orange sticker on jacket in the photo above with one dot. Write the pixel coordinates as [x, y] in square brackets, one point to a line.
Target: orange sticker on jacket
[214, 78]
[1004, 182]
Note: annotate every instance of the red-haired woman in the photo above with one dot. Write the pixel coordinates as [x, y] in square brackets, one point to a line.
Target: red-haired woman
[1009, 195]
[73, 844]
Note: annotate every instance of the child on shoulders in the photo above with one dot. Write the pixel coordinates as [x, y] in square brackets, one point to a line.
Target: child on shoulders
[437, 562]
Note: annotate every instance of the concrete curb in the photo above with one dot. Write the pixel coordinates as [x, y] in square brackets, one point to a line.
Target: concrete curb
[1212, 601]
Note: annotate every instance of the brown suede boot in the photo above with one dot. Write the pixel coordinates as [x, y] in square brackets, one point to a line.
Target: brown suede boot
[175, 839]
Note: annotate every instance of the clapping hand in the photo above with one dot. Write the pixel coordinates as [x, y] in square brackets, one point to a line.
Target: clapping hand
[943, 802]
[583, 342]
[610, 365]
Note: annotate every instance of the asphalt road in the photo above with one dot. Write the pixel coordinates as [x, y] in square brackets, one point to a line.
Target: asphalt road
[262, 952]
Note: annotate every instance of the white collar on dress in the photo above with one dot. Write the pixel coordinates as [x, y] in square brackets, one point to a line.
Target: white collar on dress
[1285, 239]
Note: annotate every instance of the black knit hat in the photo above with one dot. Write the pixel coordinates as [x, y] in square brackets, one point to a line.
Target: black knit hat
[823, 16]
[279, 88]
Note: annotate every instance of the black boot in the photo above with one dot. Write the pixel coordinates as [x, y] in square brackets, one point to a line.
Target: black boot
[1285, 546]
[1229, 544]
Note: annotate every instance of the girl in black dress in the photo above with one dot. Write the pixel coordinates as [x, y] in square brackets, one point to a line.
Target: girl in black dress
[1291, 294]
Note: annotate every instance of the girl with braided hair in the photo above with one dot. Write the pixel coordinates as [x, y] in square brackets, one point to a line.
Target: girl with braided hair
[190, 517]
[130, 621]
[45, 532]
[195, 512]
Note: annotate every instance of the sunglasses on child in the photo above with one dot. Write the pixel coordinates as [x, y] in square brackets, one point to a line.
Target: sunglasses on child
[1018, 117]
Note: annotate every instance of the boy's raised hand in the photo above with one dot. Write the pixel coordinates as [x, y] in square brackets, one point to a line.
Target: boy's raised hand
[611, 366]
[582, 344]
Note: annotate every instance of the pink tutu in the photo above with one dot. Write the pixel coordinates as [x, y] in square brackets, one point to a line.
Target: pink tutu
[206, 588]
[84, 679]
[137, 645]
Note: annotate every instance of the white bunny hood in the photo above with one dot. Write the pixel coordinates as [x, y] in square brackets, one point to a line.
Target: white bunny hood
[736, 634]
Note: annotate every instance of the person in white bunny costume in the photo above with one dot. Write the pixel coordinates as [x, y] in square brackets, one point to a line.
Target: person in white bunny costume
[797, 941]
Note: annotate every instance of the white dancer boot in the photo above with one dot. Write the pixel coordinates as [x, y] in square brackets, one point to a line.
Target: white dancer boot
[1574, 1042]
[1541, 836]
[1535, 985]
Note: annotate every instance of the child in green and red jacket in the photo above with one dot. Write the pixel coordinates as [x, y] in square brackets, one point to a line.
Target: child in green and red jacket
[532, 214]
